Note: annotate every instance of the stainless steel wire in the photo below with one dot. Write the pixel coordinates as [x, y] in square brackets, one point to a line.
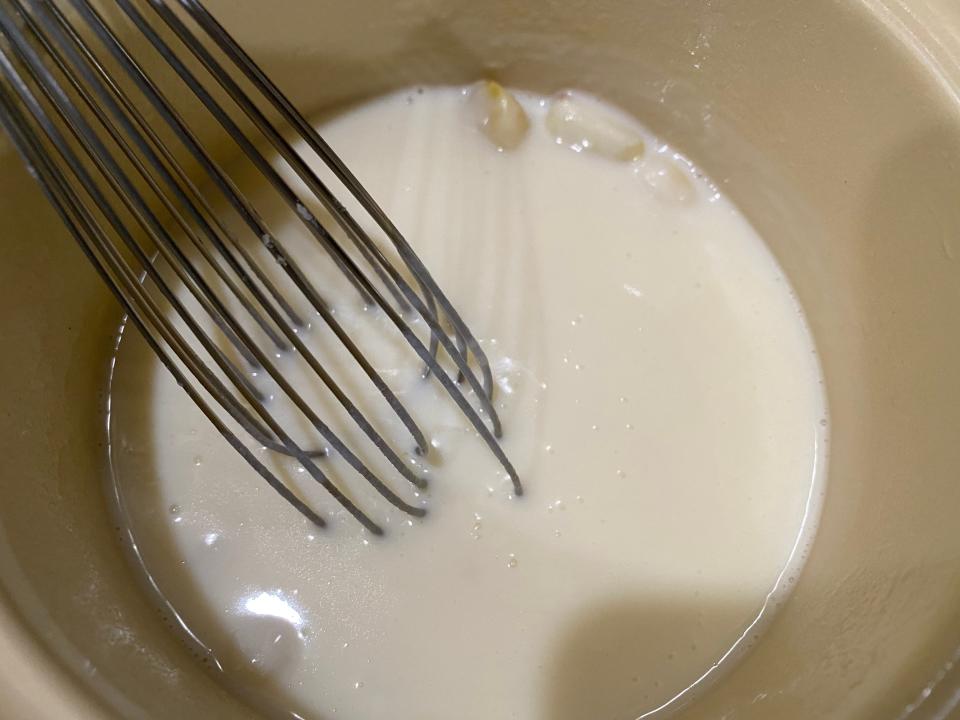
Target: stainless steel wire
[77, 103]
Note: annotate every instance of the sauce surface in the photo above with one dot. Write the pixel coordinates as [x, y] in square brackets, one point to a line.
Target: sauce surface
[661, 400]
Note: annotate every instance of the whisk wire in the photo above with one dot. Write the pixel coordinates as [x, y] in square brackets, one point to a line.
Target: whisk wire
[273, 245]
[331, 245]
[143, 306]
[238, 273]
[308, 218]
[89, 236]
[292, 116]
[290, 334]
[154, 161]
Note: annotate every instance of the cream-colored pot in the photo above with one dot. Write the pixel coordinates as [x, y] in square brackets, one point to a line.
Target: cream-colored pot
[835, 124]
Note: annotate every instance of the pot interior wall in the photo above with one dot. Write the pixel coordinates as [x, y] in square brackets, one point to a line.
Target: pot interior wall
[833, 125]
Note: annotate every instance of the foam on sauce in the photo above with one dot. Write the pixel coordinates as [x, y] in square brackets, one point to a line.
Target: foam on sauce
[661, 400]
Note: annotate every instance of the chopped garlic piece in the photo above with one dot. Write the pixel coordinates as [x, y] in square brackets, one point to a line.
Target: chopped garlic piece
[501, 118]
[670, 182]
[584, 124]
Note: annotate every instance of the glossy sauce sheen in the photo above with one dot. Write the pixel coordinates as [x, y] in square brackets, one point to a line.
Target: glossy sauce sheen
[661, 400]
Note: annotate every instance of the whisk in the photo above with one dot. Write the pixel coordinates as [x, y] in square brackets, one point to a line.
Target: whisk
[75, 102]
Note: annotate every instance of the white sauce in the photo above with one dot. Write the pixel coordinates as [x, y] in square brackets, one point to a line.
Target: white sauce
[661, 401]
